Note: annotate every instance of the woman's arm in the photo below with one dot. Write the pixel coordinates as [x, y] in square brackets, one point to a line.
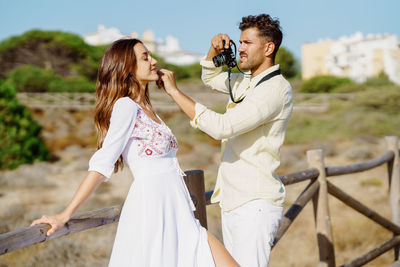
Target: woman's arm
[101, 164]
[86, 188]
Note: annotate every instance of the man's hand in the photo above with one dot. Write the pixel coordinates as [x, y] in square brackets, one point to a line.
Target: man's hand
[217, 45]
[167, 81]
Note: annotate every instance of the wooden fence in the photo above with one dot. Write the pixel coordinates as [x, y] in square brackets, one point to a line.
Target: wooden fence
[311, 102]
[317, 190]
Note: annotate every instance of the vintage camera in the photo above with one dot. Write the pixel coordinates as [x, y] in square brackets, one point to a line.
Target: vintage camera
[227, 57]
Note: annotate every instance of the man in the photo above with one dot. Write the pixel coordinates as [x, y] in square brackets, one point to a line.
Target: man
[252, 131]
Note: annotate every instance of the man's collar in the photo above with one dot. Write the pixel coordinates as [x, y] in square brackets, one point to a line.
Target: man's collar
[254, 80]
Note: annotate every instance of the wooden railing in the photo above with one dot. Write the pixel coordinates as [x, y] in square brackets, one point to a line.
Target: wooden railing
[317, 189]
[316, 102]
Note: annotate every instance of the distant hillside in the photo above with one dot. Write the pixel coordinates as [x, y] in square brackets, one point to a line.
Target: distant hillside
[52, 61]
[65, 54]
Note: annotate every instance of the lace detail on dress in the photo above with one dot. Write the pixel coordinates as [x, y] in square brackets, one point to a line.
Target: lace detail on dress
[152, 138]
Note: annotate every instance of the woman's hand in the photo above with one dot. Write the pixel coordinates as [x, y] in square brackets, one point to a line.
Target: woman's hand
[56, 221]
[167, 80]
[92, 180]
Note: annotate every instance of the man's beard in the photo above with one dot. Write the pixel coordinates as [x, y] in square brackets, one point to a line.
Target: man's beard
[245, 65]
[250, 63]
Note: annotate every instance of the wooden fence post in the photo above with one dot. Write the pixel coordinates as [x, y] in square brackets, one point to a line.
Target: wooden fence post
[321, 211]
[194, 180]
[392, 143]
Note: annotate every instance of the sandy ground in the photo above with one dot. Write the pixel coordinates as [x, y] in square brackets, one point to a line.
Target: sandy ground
[32, 190]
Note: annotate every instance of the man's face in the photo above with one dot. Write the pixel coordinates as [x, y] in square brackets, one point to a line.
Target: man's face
[251, 49]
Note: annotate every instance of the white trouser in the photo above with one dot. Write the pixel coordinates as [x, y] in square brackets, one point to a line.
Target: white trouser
[248, 231]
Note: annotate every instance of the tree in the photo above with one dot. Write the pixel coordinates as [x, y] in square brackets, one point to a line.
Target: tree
[287, 62]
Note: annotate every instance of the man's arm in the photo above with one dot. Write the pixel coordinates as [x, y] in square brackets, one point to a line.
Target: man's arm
[213, 76]
[257, 108]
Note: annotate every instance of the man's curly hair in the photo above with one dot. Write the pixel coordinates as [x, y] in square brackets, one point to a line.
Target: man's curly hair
[268, 28]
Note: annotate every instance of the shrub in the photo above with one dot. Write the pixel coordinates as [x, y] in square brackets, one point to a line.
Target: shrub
[50, 38]
[68, 53]
[323, 84]
[380, 80]
[89, 66]
[28, 78]
[20, 140]
[72, 84]
[194, 70]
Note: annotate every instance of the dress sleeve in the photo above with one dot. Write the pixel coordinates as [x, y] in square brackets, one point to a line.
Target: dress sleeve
[122, 123]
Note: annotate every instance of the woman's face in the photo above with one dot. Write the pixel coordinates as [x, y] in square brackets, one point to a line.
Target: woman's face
[145, 65]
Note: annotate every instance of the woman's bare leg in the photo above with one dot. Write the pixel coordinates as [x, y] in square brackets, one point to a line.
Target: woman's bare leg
[221, 256]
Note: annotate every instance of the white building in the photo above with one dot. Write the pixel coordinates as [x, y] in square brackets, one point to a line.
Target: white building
[103, 36]
[168, 49]
[355, 56]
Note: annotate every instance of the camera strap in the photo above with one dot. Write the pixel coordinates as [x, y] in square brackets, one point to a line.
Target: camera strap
[265, 78]
[269, 76]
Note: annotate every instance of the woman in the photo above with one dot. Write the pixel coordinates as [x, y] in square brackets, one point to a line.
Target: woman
[157, 226]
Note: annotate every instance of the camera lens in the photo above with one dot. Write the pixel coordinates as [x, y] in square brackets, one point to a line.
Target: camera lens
[219, 60]
[227, 57]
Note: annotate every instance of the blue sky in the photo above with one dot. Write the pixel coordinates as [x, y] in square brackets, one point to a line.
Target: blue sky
[194, 23]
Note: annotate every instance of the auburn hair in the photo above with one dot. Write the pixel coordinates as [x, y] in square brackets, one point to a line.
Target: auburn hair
[115, 79]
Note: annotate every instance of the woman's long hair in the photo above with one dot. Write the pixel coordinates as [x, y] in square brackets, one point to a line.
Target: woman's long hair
[115, 79]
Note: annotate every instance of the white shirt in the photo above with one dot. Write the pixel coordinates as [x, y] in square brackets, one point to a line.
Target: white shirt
[252, 133]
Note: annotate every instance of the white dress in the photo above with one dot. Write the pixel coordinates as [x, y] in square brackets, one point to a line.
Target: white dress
[157, 226]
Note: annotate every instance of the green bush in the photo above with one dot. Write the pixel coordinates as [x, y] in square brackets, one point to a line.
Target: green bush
[89, 66]
[50, 38]
[28, 78]
[194, 70]
[380, 80]
[72, 84]
[323, 84]
[20, 140]
[287, 63]
[377, 81]
[68, 47]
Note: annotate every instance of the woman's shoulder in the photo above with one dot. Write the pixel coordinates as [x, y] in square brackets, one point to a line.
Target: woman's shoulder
[125, 104]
